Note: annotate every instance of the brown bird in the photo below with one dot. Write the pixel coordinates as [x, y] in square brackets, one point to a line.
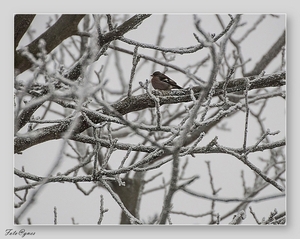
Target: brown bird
[160, 81]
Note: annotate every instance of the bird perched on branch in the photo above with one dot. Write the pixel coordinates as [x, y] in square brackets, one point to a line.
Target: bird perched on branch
[160, 81]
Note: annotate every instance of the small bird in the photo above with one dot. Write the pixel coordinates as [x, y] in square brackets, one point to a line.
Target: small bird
[162, 82]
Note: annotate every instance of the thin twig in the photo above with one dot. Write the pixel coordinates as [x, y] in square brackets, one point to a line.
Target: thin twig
[247, 115]
[102, 210]
[55, 215]
[135, 60]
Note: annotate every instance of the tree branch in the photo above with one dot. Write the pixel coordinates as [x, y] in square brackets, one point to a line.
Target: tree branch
[105, 39]
[65, 27]
[140, 102]
[269, 56]
[22, 23]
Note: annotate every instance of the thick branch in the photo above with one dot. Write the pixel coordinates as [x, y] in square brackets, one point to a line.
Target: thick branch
[144, 101]
[269, 56]
[128, 25]
[141, 102]
[65, 27]
[22, 23]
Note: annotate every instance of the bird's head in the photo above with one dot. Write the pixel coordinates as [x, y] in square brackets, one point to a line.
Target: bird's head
[156, 73]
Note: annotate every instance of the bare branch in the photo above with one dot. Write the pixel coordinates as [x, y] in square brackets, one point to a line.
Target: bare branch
[65, 27]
